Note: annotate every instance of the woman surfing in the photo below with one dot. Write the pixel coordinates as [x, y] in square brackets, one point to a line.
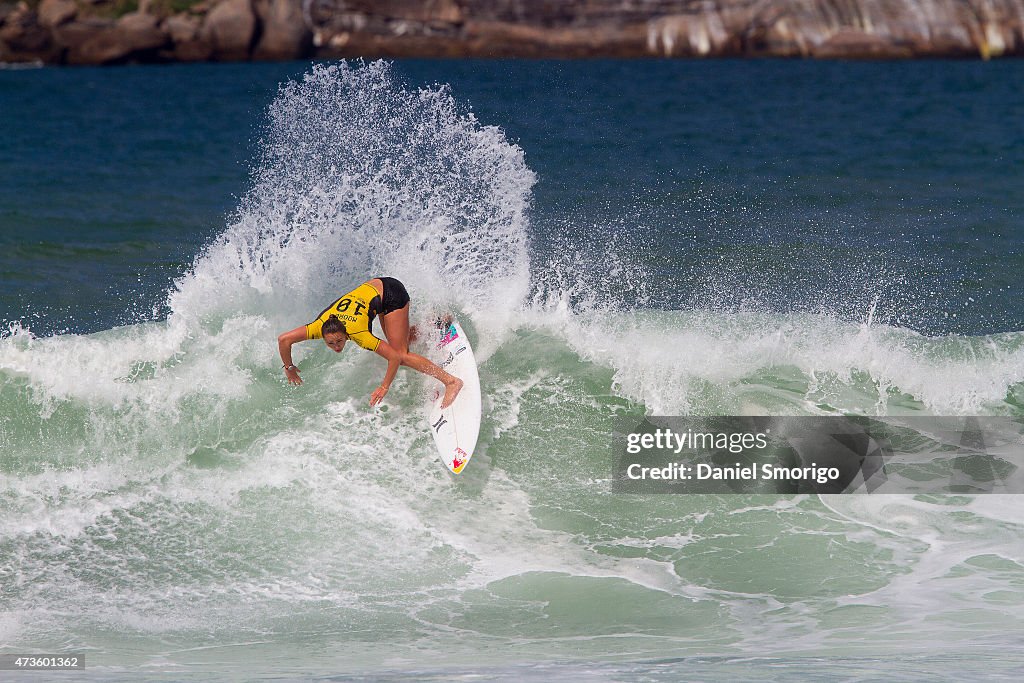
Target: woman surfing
[351, 317]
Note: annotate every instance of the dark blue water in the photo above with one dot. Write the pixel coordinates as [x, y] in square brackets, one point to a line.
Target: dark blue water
[112, 180]
[767, 185]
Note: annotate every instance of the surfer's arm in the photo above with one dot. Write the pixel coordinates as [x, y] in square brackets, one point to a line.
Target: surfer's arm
[394, 359]
[284, 347]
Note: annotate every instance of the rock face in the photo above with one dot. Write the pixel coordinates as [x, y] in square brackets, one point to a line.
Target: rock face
[23, 38]
[670, 28]
[56, 12]
[95, 31]
[140, 32]
[285, 32]
[229, 29]
[183, 30]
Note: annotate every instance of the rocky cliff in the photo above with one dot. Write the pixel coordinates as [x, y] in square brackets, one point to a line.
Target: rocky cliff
[116, 31]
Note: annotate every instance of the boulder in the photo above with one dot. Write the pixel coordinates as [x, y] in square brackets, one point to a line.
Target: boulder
[104, 41]
[229, 29]
[140, 32]
[22, 39]
[6, 9]
[285, 33]
[56, 12]
[182, 28]
[88, 40]
[187, 44]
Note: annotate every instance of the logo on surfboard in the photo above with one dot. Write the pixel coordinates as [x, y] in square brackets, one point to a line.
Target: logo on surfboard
[450, 335]
[457, 463]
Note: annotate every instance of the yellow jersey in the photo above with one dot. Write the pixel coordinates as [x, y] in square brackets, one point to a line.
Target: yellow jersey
[356, 310]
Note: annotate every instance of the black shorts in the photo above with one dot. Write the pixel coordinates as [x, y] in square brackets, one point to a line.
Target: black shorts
[395, 296]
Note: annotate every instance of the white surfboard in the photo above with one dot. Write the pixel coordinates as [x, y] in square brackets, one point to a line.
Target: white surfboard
[457, 427]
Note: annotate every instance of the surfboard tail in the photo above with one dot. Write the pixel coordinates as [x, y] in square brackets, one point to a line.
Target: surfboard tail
[459, 459]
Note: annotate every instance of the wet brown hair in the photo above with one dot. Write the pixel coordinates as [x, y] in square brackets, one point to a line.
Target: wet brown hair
[332, 325]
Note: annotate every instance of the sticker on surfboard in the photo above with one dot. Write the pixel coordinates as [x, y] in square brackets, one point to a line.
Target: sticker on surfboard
[456, 428]
[449, 333]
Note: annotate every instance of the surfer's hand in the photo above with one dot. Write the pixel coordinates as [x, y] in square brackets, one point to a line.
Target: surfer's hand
[292, 372]
[378, 395]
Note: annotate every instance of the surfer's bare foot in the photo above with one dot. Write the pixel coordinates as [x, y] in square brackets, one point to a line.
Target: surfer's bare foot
[451, 390]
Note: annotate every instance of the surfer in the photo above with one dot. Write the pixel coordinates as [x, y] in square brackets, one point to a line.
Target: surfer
[351, 317]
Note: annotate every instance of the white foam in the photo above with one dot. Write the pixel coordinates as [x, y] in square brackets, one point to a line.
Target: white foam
[677, 362]
[936, 543]
[361, 177]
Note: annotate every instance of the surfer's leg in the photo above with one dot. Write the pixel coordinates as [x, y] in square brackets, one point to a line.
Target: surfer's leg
[452, 384]
[396, 328]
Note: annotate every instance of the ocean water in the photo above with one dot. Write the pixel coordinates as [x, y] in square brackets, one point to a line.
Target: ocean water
[620, 239]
